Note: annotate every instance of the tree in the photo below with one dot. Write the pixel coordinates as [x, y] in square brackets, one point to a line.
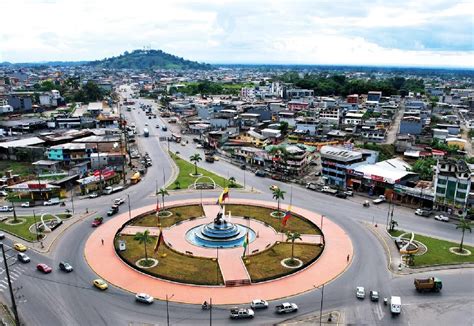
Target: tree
[195, 159]
[283, 127]
[143, 237]
[393, 224]
[463, 225]
[163, 192]
[277, 195]
[292, 236]
[177, 185]
[424, 167]
[232, 182]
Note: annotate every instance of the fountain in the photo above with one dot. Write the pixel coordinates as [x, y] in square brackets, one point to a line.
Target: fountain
[220, 233]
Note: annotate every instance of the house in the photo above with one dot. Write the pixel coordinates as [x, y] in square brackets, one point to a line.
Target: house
[330, 115]
[410, 125]
[288, 117]
[291, 160]
[46, 165]
[353, 119]
[374, 97]
[20, 102]
[296, 105]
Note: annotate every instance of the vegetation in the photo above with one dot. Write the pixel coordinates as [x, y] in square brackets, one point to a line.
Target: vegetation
[438, 252]
[20, 168]
[336, 84]
[196, 158]
[463, 225]
[173, 265]
[450, 149]
[295, 224]
[292, 237]
[184, 178]
[145, 238]
[148, 59]
[386, 151]
[23, 230]
[267, 264]
[162, 192]
[277, 195]
[232, 182]
[424, 168]
[206, 87]
[180, 214]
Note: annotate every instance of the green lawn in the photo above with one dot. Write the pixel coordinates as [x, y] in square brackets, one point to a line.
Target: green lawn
[438, 251]
[21, 168]
[267, 264]
[179, 214]
[22, 230]
[185, 179]
[296, 223]
[175, 266]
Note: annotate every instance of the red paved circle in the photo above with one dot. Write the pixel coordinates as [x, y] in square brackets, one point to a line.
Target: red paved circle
[332, 262]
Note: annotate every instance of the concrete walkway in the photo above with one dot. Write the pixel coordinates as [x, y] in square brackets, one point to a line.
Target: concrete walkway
[104, 261]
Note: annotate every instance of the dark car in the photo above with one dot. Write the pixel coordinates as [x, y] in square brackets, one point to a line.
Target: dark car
[260, 173]
[243, 167]
[113, 210]
[277, 177]
[65, 267]
[341, 195]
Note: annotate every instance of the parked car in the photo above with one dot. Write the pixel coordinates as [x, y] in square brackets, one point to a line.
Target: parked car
[119, 201]
[341, 195]
[442, 218]
[379, 200]
[258, 304]
[423, 212]
[26, 204]
[20, 247]
[144, 298]
[286, 308]
[374, 296]
[93, 195]
[23, 258]
[360, 292]
[277, 177]
[260, 173]
[44, 268]
[65, 267]
[100, 284]
[243, 167]
[241, 313]
[6, 209]
[3, 193]
[199, 146]
[349, 193]
[2, 235]
[313, 186]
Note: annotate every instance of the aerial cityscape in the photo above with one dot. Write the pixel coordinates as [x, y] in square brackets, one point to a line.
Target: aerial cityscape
[226, 162]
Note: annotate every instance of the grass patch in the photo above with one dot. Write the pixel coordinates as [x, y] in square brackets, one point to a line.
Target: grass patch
[21, 168]
[181, 213]
[267, 264]
[295, 224]
[438, 251]
[187, 168]
[23, 230]
[175, 266]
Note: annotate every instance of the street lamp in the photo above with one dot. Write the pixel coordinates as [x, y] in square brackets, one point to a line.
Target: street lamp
[36, 226]
[321, 306]
[129, 210]
[167, 309]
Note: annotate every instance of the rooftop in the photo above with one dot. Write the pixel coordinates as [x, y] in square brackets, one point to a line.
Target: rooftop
[340, 153]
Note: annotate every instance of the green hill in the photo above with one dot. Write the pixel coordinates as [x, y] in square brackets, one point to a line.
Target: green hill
[148, 59]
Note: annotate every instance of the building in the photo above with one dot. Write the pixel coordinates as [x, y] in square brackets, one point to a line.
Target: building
[452, 185]
[20, 102]
[374, 96]
[291, 160]
[411, 126]
[353, 119]
[296, 93]
[330, 115]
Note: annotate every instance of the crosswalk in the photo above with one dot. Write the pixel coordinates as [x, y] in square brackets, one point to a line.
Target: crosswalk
[15, 270]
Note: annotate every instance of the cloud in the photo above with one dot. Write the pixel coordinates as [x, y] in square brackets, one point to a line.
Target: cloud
[404, 32]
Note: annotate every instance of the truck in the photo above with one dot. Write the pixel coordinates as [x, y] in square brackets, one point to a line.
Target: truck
[109, 190]
[146, 133]
[428, 284]
[241, 313]
[379, 200]
[52, 201]
[395, 305]
[329, 190]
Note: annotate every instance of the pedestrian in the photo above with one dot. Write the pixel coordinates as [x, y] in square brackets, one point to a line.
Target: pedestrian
[87, 210]
[102, 240]
[347, 255]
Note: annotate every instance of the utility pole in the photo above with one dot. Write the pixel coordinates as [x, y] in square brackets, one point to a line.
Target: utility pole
[36, 226]
[72, 199]
[167, 309]
[129, 209]
[321, 307]
[12, 296]
[210, 312]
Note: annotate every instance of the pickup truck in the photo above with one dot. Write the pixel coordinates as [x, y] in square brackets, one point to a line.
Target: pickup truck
[241, 313]
[428, 284]
[286, 307]
[113, 210]
[210, 158]
[119, 201]
[109, 190]
[329, 190]
[379, 200]
[6, 209]
[313, 186]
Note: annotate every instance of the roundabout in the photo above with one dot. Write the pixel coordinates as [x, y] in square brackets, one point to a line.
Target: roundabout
[235, 272]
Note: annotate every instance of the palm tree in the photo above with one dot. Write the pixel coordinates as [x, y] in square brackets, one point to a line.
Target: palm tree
[232, 182]
[143, 237]
[463, 225]
[177, 185]
[163, 192]
[293, 236]
[195, 159]
[277, 195]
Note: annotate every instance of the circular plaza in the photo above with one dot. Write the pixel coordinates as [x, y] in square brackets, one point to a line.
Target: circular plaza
[233, 253]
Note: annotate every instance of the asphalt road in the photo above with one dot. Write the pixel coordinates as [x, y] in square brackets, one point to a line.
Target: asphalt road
[69, 299]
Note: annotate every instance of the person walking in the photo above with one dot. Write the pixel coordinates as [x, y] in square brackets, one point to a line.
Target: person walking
[102, 240]
[348, 256]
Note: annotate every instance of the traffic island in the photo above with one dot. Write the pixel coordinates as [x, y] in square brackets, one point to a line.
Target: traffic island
[25, 228]
[194, 272]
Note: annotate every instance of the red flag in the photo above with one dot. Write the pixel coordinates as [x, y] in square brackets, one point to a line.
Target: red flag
[159, 241]
[286, 217]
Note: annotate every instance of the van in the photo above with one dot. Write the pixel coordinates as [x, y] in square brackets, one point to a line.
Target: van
[395, 305]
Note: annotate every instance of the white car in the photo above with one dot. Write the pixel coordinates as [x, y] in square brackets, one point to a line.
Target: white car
[199, 146]
[442, 218]
[27, 204]
[6, 209]
[258, 304]
[360, 292]
[143, 297]
[286, 307]
[93, 195]
[3, 193]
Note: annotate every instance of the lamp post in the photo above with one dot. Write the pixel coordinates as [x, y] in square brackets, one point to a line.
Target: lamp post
[36, 226]
[167, 309]
[321, 307]
[12, 296]
[129, 209]
[72, 200]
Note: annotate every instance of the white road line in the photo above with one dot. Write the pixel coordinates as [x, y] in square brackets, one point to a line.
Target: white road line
[12, 278]
[3, 286]
[14, 274]
[379, 312]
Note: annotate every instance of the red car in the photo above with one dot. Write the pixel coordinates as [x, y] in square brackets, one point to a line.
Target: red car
[97, 221]
[44, 268]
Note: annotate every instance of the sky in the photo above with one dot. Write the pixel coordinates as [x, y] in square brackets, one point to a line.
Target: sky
[431, 33]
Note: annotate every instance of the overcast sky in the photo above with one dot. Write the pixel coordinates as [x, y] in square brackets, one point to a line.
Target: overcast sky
[362, 32]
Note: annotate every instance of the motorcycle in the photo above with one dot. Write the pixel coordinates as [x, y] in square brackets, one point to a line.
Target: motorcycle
[385, 301]
[366, 203]
[62, 204]
[205, 306]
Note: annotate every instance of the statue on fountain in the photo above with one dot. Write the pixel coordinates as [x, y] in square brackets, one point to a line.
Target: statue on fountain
[219, 220]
